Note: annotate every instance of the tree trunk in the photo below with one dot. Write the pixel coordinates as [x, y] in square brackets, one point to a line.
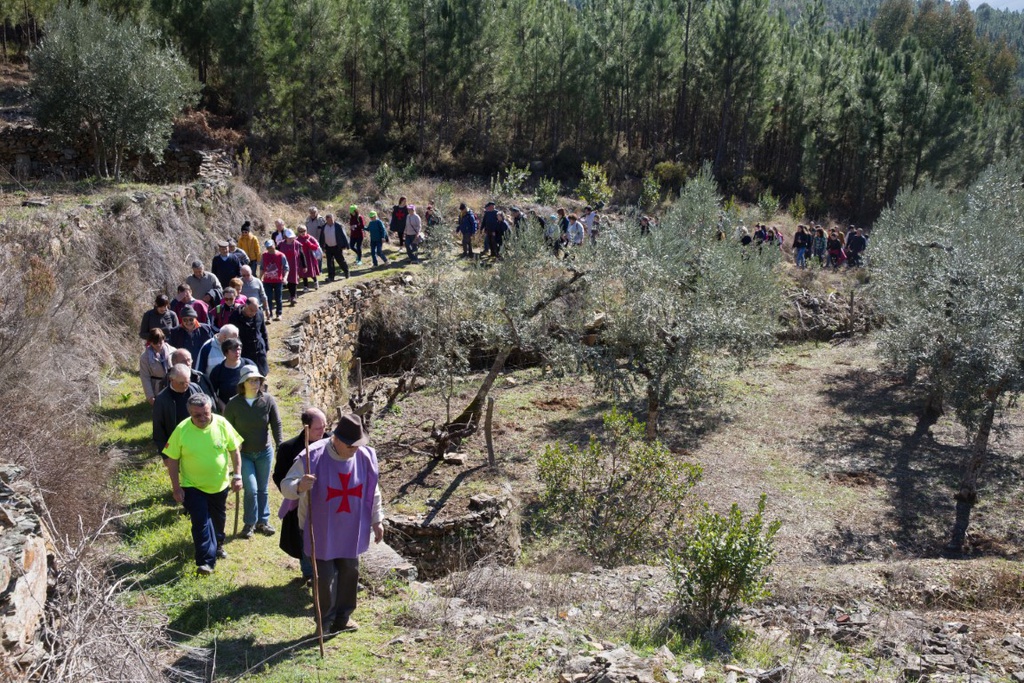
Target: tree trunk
[653, 409]
[471, 415]
[967, 496]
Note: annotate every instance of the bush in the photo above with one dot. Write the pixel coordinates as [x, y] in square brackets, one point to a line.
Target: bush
[768, 204]
[594, 188]
[109, 81]
[650, 193]
[385, 178]
[617, 497]
[672, 174]
[798, 207]
[512, 184]
[548, 191]
[722, 564]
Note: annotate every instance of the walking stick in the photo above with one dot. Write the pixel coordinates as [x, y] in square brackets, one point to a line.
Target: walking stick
[312, 552]
[236, 513]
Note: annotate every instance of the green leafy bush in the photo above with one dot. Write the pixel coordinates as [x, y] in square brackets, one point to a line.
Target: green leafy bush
[594, 188]
[672, 174]
[650, 193]
[798, 207]
[548, 191]
[722, 564]
[618, 498]
[768, 204]
[511, 185]
[385, 178]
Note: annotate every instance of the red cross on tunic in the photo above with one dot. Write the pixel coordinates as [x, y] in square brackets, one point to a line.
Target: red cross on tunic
[344, 492]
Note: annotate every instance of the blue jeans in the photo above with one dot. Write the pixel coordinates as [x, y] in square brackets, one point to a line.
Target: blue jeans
[410, 247]
[377, 249]
[801, 257]
[274, 293]
[208, 513]
[255, 475]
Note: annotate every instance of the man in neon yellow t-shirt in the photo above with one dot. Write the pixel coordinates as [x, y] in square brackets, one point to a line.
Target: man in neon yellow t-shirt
[204, 463]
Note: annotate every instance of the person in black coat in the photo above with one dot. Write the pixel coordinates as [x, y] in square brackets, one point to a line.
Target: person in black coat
[252, 332]
[225, 266]
[170, 405]
[160, 316]
[315, 421]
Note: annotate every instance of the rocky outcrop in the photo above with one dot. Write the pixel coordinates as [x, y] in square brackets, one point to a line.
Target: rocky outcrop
[25, 558]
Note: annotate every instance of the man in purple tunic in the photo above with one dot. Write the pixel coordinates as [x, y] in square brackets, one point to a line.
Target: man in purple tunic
[340, 503]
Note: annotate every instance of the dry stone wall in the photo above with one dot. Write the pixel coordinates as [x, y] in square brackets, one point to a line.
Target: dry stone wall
[325, 340]
[323, 347]
[25, 558]
[29, 152]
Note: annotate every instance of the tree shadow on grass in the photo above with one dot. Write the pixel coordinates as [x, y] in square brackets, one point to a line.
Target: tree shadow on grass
[880, 439]
[285, 600]
[242, 656]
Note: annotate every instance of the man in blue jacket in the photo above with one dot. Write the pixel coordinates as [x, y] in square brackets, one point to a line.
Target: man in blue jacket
[467, 228]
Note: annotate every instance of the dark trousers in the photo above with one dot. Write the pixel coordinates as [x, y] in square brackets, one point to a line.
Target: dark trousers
[410, 247]
[467, 244]
[274, 293]
[357, 247]
[332, 254]
[496, 241]
[208, 512]
[338, 583]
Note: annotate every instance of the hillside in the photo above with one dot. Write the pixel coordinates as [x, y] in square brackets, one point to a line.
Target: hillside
[860, 591]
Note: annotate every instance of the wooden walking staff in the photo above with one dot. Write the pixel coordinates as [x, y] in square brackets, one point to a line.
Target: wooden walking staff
[312, 553]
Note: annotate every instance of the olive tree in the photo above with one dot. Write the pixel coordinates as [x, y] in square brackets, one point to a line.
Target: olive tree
[109, 80]
[947, 276]
[681, 306]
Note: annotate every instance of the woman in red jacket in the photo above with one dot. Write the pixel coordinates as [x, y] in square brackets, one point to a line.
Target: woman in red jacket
[310, 265]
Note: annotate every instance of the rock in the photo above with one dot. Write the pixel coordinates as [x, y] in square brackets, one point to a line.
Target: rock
[458, 459]
[731, 677]
[36, 203]
[381, 562]
[482, 501]
[666, 654]
[291, 361]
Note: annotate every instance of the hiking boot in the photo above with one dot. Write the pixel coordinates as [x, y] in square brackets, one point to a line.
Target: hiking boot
[204, 570]
[265, 529]
[348, 626]
[247, 531]
[221, 553]
[316, 285]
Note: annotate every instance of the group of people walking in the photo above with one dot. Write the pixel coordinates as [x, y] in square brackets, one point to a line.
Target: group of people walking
[831, 249]
[204, 369]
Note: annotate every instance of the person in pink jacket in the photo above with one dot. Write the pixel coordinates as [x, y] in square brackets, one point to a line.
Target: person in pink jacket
[309, 267]
[293, 253]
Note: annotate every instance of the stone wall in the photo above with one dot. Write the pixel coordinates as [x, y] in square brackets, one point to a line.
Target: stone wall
[488, 531]
[29, 152]
[325, 340]
[25, 557]
[323, 346]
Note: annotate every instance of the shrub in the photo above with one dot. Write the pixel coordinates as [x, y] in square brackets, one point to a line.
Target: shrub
[385, 178]
[616, 497]
[548, 191]
[722, 564]
[798, 207]
[768, 205]
[512, 184]
[594, 188]
[672, 174]
[650, 193]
